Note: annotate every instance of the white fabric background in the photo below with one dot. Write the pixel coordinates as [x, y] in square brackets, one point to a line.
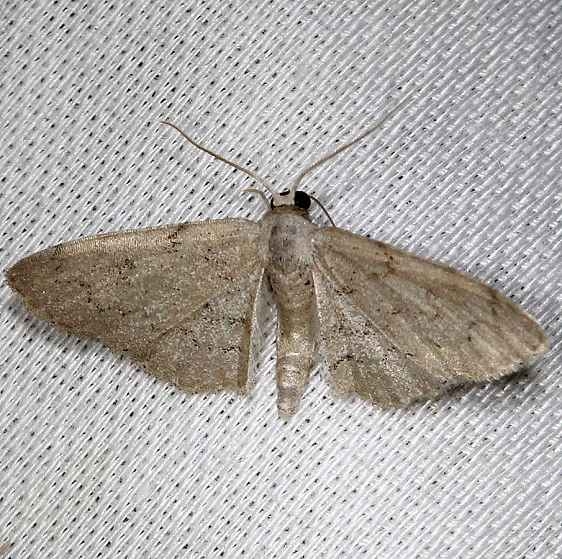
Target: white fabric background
[97, 459]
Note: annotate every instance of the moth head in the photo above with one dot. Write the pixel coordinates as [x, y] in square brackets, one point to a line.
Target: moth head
[297, 198]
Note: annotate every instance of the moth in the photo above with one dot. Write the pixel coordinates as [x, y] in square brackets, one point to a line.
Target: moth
[187, 303]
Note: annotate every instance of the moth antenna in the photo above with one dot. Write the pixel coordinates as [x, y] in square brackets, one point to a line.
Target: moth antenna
[356, 140]
[322, 208]
[256, 191]
[220, 157]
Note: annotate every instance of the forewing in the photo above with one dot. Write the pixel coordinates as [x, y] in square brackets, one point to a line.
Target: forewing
[182, 300]
[396, 328]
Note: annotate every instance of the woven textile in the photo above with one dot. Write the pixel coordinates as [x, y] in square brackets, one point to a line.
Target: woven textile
[98, 459]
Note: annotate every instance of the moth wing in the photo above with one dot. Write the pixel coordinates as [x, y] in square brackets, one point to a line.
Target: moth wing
[181, 300]
[395, 328]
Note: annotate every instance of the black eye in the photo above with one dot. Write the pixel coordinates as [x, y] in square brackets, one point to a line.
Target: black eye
[302, 200]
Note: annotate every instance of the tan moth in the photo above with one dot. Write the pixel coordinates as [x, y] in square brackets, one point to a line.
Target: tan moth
[185, 301]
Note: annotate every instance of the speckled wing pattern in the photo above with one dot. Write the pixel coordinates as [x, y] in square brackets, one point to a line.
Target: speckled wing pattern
[395, 328]
[181, 300]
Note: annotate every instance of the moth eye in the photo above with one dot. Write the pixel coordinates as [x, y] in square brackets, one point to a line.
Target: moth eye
[302, 200]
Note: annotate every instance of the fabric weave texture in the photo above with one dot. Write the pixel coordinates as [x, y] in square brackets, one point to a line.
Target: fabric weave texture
[98, 459]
